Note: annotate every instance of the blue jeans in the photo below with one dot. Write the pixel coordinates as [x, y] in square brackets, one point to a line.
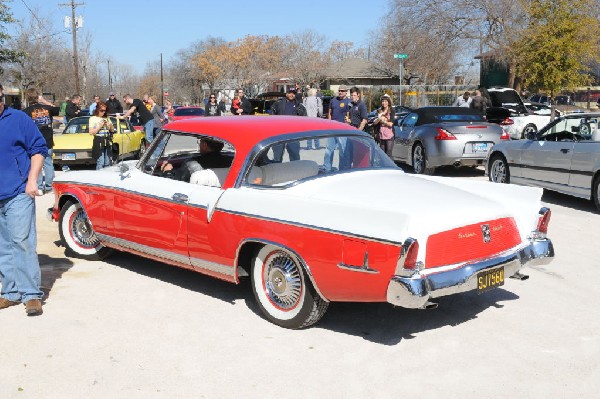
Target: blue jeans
[46, 177]
[309, 144]
[293, 149]
[19, 266]
[149, 130]
[104, 159]
[345, 161]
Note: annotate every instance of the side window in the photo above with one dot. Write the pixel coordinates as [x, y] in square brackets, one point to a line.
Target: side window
[410, 120]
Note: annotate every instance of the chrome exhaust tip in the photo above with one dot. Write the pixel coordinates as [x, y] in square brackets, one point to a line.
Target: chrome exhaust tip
[430, 305]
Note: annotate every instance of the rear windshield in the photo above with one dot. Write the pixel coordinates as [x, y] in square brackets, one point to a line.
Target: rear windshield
[188, 111]
[459, 118]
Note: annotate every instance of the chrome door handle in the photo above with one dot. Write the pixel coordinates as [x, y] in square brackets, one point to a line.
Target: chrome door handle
[179, 197]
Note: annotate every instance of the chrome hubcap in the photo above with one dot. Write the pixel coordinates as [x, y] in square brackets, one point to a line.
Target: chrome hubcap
[498, 172]
[418, 159]
[283, 282]
[81, 230]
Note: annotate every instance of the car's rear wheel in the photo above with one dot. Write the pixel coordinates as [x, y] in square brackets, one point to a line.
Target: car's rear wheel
[499, 172]
[77, 233]
[596, 192]
[284, 294]
[419, 160]
[530, 128]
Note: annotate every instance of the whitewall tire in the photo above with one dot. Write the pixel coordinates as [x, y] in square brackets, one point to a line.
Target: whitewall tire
[77, 233]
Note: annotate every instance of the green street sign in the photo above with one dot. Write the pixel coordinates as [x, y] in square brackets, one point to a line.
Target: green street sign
[400, 55]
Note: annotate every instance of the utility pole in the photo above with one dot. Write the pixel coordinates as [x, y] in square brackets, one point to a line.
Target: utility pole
[74, 24]
[109, 77]
[162, 87]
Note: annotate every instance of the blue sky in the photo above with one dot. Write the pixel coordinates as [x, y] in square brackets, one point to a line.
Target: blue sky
[136, 32]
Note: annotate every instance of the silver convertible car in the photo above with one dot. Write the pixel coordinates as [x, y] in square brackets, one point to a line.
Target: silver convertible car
[430, 137]
[564, 156]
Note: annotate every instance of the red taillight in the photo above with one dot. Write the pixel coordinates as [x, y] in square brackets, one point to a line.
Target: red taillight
[504, 136]
[443, 134]
[507, 121]
[410, 257]
[544, 220]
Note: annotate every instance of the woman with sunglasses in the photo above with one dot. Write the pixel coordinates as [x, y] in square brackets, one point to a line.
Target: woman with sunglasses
[212, 108]
[101, 128]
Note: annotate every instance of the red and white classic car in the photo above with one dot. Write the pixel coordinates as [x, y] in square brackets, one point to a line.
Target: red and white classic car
[306, 226]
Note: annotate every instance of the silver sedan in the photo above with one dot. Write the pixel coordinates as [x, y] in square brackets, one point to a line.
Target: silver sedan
[564, 156]
[430, 137]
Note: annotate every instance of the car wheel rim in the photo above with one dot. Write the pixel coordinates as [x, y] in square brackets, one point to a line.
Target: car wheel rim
[418, 159]
[81, 231]
[498, 172]
[282, 280]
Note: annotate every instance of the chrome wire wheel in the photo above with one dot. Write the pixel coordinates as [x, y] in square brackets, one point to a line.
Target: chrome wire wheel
[283, 292]
[77, 233]
[283, 280]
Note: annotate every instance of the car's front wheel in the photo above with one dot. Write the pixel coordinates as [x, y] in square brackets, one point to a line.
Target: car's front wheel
[282, 290]
[77, 233]
[419, 161]
[499, 172]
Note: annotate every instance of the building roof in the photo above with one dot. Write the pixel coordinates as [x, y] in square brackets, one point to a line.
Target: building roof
[353, 68]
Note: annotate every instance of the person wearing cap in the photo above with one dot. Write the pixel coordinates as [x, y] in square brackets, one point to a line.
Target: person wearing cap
[22, 153]
[338, 109]
[113, 104]
[288, 105]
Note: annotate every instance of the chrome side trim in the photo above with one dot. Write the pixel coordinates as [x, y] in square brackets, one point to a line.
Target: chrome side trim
[197, 263]
[291, 251]
[363, 269]
[416, 290]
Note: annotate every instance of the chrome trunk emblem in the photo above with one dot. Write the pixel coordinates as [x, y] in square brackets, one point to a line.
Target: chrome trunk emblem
[485, 230]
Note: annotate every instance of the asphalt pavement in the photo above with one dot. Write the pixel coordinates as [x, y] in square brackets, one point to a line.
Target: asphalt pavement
[133, 328]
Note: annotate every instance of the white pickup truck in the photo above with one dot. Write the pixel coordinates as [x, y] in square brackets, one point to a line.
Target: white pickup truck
[523, 121]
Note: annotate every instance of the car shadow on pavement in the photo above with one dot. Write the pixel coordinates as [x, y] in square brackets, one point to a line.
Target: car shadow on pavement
[450, 171]
[52, 269]
[579, 204]
[385, 324]
[184, 278]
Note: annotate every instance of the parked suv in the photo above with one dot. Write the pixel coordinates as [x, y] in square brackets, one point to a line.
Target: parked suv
[523, 121]
[541, 98]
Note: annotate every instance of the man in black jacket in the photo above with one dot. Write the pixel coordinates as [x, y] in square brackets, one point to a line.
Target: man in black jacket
[113, 104]
[288, 105]
[73, 109]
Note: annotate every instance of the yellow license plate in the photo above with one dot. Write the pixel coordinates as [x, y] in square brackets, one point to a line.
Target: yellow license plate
[490, 279]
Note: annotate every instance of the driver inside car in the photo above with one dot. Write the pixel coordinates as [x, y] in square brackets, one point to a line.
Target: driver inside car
[210, 157]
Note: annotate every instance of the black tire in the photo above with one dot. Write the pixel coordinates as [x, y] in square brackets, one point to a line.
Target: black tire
[527, 129]
[419, 161]
[283, 292]
[77, 233]
[596, 192]
[498, 171]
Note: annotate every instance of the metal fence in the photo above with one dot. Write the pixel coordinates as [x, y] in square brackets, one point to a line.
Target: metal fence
[415, 96]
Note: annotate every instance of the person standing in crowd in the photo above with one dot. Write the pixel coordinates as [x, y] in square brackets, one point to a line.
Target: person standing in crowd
[113, 104]
[245, 107]
[156, 114]
[358, 111]
[338, 108]
[384, 123]
[144, 116]
[223, 105]
[314, 108]
[146, 100]
[102, 129]
[169, 111]
[41, 112]
[22, 153]
[213, 108]
[63, 109]
[479, 102]
[299, 94]
[72, 110]
[94, 104]
[463, 101]
[288, 105]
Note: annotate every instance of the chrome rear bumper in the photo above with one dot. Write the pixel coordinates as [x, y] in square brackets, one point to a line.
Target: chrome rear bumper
[417, 290]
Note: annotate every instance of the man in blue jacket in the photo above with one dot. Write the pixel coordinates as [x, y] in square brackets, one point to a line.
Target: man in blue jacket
[22, 153]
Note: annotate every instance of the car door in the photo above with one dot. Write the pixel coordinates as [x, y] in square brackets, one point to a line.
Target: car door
[402, 136]
[586, 159]
[548, 158]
